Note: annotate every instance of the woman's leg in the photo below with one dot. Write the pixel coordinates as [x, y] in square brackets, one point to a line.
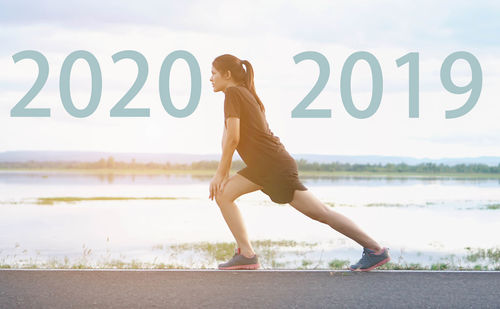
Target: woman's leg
[234, 187]
[308, 204]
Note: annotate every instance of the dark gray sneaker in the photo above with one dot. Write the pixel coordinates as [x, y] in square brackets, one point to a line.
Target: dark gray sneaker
[371, 259]
[239, 261]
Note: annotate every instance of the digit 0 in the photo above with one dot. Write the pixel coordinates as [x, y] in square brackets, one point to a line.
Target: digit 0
[64, 89]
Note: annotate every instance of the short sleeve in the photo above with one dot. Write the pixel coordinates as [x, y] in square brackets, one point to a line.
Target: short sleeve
[232, 103]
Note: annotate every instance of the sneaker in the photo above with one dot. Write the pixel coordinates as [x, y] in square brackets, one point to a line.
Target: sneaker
[239, 261]
[371, 259]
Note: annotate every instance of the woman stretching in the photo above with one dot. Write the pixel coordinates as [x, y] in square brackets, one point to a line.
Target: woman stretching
[269, 168]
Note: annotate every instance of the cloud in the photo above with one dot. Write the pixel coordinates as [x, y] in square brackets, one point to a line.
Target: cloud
[269, 34]
[355, 23]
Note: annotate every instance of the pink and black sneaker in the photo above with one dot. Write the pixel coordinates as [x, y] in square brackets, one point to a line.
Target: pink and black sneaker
[371, 259]
[239, 261]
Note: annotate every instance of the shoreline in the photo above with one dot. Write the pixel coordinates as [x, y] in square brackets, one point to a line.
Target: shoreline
[309, 174]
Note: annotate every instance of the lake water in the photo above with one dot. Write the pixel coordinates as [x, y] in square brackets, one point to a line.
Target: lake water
[421, 220]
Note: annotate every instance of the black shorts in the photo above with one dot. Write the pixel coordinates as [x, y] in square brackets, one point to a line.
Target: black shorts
[278, 183]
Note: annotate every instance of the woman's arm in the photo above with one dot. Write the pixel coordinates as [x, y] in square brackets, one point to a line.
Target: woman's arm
[230, 141]
[224, 137]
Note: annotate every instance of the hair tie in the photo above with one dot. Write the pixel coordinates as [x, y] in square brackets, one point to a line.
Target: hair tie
[244, 68]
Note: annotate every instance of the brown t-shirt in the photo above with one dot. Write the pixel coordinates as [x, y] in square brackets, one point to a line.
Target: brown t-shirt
[259, 148]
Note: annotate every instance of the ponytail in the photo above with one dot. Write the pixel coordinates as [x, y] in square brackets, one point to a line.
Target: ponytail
[249, 84]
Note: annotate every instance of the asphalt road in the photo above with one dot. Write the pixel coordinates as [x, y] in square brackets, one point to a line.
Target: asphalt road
[247, 289]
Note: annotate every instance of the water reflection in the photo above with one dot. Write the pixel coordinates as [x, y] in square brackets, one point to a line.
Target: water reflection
[53, 178]
[454, 211]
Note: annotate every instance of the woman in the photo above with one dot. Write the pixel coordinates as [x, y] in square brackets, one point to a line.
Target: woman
[269, 168]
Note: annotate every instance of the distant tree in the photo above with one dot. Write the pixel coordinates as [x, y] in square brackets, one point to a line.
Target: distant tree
[110, 163]
[101, 163]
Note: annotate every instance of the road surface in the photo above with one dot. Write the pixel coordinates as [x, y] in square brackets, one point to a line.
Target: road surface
[24, 288]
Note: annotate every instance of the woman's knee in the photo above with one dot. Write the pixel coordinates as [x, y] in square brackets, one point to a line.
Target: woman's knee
[223, 198]
[234, 187]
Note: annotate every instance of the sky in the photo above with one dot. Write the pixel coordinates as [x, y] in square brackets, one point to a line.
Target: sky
[268, 34]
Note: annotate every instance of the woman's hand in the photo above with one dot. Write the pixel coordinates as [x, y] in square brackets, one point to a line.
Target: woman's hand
[217, 185]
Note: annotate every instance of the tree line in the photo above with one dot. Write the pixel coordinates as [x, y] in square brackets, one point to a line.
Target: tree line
[303, 165]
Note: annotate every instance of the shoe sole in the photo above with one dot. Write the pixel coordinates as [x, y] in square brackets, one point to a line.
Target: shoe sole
[236, 267]
[372, 267]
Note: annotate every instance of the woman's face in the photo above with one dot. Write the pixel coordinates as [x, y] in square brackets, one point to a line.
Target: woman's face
[218, 81]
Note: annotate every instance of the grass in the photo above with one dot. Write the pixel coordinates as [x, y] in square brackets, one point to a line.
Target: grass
[269, 251]
[338, 264]
[491, 255]
[272, 255]
[385, 205]
[74, 199]
[71, 199]
[493, 206]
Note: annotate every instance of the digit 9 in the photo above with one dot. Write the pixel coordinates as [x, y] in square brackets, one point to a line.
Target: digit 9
[474, 86]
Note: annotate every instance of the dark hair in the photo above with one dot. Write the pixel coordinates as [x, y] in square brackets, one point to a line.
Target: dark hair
[227, 62]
